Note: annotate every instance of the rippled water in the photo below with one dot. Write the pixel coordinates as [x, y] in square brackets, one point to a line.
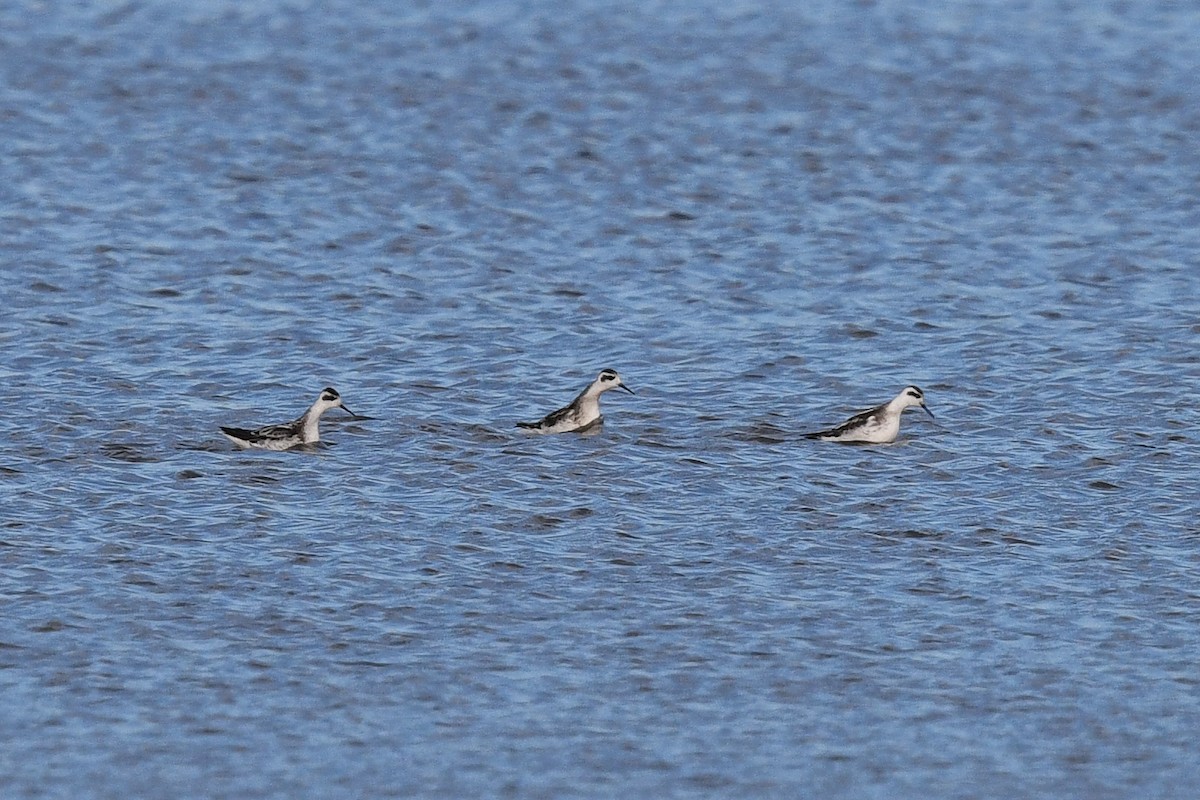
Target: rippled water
[766, 218]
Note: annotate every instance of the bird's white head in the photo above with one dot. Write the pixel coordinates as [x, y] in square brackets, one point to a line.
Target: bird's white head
[913, 396]
[331, 399]
[609, 379]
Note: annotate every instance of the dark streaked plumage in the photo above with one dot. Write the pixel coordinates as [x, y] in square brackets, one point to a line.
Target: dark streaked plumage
[584, 410]
[303, 430]
[878, 425]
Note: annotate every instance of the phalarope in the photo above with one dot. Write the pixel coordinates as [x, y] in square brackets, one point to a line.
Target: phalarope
[880, 425]
[584, 410]
[303, 430]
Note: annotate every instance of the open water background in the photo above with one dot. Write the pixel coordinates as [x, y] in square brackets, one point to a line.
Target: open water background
[766, 216]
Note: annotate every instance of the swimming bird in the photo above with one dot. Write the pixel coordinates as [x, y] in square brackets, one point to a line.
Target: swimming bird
[303, 430]
[880, 425]
[584, 410]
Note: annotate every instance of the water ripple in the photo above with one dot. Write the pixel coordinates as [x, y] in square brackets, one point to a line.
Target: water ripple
[456, 217]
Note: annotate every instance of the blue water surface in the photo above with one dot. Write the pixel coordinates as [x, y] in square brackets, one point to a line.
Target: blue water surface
[767, 216]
